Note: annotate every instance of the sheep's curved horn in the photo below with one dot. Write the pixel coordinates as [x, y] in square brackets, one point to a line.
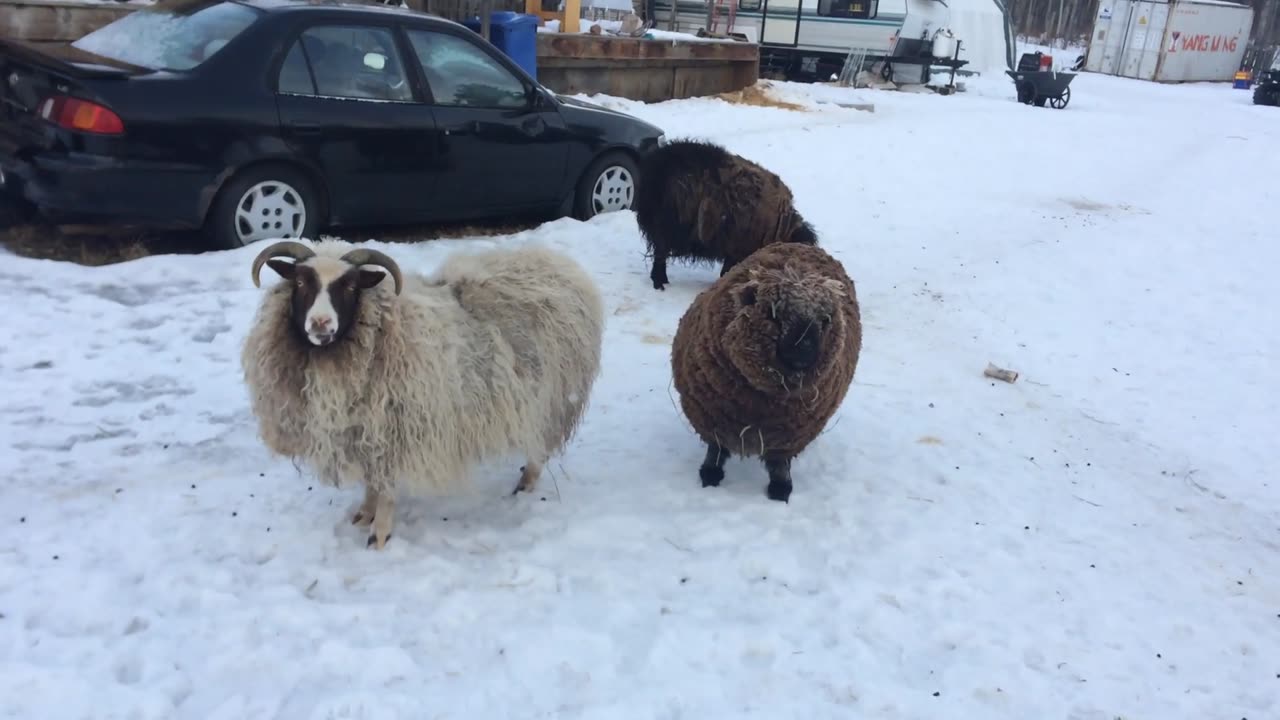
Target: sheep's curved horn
[367, 256]
[288, 248]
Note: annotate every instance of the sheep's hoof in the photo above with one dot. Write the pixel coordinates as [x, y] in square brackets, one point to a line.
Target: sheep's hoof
[383, 515]
[528, 479]
[366, 513]
[779, 491]
[711, 475]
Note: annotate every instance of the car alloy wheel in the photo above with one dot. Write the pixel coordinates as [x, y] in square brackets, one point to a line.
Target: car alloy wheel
[615, 189]
[606, 185]
[270, 209]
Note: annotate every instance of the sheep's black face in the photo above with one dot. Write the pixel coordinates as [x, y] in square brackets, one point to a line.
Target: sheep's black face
[800, 345]
[326, 296]
[796, 321]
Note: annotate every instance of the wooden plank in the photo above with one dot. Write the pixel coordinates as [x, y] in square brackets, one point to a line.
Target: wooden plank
[605, 47]
[694, 81]
[643, 84]
[646, 80]
[625, 63]
[56, 22]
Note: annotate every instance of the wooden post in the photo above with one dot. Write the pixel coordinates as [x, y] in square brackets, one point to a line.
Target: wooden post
[567, 24]
[572, 16]
[569, 19]
[486, 9]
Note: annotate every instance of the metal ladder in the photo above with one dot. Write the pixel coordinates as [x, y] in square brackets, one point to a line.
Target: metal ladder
[852, 66]
[716, 10]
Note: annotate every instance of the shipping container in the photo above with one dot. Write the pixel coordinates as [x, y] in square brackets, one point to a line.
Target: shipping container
[1182, 41]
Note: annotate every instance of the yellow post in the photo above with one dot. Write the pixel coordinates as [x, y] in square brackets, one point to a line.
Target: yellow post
[572, 14]
[569, 19]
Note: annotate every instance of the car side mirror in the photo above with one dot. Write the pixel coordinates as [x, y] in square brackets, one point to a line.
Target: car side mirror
[375, 61]
[537, 98]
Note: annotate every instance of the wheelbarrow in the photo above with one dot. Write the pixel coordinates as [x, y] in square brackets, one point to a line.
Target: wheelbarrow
[1037, 85]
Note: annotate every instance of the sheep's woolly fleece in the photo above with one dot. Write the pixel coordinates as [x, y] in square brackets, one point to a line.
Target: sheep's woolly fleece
[495, 352]
[702, 202]
[724, 353]
[1096, 540]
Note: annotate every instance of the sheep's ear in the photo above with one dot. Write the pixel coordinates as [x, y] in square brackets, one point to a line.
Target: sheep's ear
[745, 293]
[283, 268]
[369, 278]
[836, 287]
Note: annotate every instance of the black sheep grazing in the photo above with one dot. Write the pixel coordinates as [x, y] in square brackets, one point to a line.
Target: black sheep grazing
[701, 202]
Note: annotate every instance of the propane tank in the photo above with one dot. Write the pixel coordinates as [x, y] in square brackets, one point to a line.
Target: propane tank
[944, 43]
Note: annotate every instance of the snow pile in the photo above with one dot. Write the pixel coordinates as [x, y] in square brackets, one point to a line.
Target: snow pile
[1097, 540]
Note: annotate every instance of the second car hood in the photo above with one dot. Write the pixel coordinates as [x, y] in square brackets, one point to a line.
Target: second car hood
[576, 105]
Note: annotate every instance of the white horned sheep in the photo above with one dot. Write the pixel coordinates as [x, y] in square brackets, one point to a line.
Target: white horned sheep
[406, 388]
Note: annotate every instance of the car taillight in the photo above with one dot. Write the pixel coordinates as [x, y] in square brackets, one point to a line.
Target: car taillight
[82, 115]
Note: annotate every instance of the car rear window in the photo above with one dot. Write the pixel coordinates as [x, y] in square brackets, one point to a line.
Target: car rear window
[170, 35]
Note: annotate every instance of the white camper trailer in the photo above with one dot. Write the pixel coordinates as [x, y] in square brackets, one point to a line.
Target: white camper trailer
[810, 39]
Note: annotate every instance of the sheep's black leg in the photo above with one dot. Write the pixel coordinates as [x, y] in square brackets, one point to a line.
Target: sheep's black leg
[659, 273]
[712, 470]
[779, 468]
[727, 266]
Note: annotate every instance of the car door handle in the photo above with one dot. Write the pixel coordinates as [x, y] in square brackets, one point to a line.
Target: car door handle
[306, 128]
[471, 127]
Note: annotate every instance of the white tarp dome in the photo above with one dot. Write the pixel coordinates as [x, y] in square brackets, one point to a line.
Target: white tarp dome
[982, 26]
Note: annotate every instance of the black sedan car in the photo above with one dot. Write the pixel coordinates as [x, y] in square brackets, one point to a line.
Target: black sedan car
[258, 119]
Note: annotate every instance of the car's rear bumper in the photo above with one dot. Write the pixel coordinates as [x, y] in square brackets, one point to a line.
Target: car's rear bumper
[93, 187]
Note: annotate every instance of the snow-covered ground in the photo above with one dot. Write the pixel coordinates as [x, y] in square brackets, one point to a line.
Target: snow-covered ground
[1099, 540]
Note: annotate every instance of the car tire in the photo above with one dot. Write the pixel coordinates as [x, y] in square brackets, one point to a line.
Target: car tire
[14, 211]
[264, 202]
[608, 185]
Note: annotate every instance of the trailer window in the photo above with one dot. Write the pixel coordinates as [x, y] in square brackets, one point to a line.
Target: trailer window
[861, 9]
[749, 5]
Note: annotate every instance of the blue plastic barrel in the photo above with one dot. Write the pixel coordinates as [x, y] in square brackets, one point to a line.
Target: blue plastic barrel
[515, 35]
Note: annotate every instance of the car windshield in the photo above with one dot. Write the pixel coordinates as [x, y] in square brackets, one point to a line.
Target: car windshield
[170, 35]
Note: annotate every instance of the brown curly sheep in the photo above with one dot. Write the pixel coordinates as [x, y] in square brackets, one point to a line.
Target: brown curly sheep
[698, 201]
[763, 358]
